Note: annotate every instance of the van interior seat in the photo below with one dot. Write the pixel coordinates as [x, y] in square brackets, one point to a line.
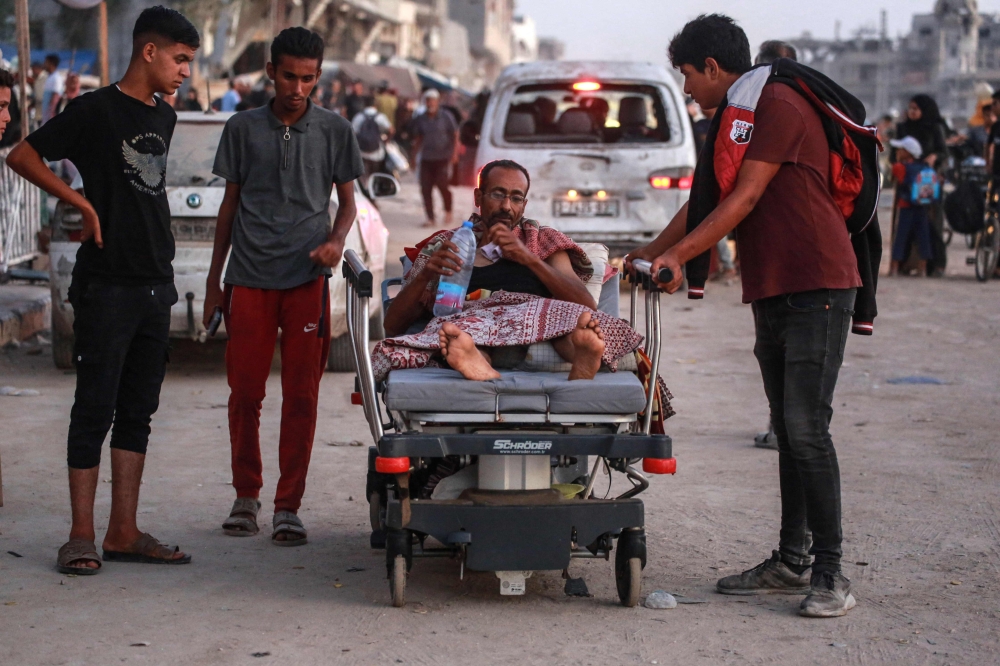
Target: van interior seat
[519, 124]
[576, 121]
[632, 117]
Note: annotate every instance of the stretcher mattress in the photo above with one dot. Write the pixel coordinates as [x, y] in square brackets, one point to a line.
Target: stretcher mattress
[444, 390]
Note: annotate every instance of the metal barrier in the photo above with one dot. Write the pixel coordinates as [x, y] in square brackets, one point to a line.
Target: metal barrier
[20, 217]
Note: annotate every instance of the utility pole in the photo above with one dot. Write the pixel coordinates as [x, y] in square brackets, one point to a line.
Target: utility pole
[102, 41]
[23, 63]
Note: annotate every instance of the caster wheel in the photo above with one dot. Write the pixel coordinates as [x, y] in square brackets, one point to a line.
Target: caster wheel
[376, 515]
[397, 582]
[630, 559]
[629, 580]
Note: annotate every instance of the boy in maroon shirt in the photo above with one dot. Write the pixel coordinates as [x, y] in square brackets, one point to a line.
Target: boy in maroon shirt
[800, 275]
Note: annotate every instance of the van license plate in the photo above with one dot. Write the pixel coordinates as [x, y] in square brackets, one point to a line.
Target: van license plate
[585, 208]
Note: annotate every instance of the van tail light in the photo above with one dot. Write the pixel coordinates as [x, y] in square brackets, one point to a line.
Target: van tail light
[672, 179]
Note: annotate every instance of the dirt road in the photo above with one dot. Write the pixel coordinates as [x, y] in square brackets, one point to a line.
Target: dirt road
[920, 466]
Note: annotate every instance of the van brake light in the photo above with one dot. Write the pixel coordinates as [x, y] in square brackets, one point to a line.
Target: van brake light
[672, 179]
[586, 86]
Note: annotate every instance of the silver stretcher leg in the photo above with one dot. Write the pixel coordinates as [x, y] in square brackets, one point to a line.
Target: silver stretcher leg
[357, 324]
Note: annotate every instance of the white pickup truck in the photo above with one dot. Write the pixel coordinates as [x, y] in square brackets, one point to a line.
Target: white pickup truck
[195, 194]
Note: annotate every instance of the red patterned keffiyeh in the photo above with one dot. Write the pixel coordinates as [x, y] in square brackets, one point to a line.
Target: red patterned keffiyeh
[540, 241]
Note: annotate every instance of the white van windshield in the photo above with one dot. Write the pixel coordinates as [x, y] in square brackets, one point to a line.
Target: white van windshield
[192, 154]
[586, 112]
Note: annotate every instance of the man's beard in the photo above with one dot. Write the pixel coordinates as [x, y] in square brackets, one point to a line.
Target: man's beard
[502, 218]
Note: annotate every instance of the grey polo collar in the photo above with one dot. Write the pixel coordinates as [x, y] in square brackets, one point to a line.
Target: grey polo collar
[301, 126]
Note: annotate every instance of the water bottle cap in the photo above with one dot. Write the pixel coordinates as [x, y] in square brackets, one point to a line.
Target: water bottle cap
[467, 224]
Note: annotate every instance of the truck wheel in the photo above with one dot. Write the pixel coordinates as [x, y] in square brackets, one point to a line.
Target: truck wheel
[341, 357]
[62, 341]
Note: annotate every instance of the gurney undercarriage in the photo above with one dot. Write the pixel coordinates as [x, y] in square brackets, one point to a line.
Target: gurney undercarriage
[499, 475]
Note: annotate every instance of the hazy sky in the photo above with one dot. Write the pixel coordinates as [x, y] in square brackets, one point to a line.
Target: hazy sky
[641, 29]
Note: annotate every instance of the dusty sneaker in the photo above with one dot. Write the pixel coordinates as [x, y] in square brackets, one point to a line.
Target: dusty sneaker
[829, 596]
[769, 577]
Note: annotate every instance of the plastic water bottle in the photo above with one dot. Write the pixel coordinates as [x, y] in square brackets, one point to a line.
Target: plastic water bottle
[452, 288]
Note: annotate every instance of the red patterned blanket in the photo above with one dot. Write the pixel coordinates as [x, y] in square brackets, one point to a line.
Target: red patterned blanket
[504, 319]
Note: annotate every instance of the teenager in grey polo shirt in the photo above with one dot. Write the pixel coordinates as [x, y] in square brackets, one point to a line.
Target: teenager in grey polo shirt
[280, 162]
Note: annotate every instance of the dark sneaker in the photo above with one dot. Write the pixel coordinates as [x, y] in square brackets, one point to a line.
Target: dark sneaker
[829, 596]
[766, 440]
[769, 577]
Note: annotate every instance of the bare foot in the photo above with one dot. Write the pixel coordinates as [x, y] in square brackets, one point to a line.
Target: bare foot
[588, 343]
[449, 219]
[460, 351]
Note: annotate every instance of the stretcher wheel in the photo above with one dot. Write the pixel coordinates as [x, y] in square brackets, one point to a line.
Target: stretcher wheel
[397, 582]
[629, 579]
[630, 559]
[375, 511]
[376, 515]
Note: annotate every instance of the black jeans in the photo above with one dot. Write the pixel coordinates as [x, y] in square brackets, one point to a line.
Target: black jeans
[434, 173]
[800, 348]
[121, 357]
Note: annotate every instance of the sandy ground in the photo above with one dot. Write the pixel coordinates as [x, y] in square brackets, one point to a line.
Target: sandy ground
[920, 467]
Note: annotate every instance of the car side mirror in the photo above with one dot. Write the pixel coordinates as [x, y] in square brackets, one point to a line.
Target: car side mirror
[382, 186]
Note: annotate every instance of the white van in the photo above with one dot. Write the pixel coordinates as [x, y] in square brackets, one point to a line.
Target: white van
[608, 145]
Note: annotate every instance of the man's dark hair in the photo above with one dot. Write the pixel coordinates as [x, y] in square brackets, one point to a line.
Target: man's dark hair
[484, 173]
[369, 100]
[6, 79]
[297, 43]
[169, 25]
[773, 49]
[711, 36]
[996, 96]
[53, 58]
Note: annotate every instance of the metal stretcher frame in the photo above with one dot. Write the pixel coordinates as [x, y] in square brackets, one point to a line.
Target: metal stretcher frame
[507, 533]
[360, 290]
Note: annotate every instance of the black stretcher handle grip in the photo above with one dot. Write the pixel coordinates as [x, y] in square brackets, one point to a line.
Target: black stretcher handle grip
[357, 274]
[642, 266]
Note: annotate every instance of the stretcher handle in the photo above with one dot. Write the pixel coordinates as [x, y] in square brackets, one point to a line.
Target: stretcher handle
[357, 274]
[642, 266]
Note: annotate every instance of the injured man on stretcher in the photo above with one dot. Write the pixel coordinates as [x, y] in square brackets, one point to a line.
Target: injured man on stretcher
[528, 285]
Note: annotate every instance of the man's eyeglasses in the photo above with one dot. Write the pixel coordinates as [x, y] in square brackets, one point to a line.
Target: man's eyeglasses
[515, 199]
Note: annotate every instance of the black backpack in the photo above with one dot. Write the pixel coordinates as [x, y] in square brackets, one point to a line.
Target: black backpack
[854, 148]
[369, 136]
[965, 207]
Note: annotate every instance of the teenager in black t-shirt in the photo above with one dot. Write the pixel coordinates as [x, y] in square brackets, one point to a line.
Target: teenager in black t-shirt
[122, 287]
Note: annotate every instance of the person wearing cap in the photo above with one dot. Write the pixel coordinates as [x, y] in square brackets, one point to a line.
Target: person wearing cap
[914, 222]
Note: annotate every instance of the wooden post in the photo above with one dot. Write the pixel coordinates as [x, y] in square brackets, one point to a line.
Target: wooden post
[103, 43]
[23, 65]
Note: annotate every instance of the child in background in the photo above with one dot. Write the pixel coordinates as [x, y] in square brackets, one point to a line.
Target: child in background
[916, 192]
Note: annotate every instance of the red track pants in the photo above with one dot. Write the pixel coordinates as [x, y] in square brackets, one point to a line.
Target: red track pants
[253, 317]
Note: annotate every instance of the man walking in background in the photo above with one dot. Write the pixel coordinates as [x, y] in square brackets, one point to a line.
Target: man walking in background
[280, 162]
[123, 281]
[53, 88]
[435, 147]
